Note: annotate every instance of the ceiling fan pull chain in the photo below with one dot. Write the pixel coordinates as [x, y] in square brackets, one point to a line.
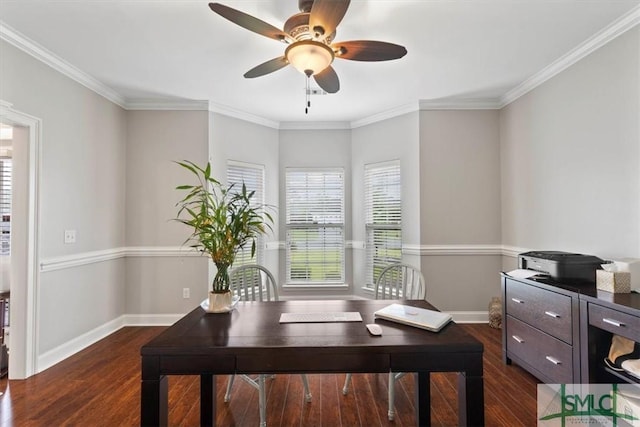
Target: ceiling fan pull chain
[307, 96]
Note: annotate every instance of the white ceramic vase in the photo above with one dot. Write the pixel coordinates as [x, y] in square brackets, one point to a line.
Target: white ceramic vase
[220, 302]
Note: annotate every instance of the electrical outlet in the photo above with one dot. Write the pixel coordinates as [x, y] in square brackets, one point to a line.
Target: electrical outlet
[186, 293]
[69, 236]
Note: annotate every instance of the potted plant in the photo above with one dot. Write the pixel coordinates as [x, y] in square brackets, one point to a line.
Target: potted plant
[223, 221]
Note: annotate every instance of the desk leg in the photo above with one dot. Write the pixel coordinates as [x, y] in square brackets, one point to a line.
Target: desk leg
[153, 403]
[207, 400]
[423, 399]
[470, 400]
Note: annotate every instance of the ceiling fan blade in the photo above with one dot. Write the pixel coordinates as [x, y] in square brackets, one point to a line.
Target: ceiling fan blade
[267, 67]
[328, 80]
[249, 22]
[368, 50]
[326, 15]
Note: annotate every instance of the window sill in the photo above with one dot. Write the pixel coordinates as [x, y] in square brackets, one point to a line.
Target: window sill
[315, 286]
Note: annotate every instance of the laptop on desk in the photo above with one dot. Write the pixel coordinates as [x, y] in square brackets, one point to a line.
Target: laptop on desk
[422, 318]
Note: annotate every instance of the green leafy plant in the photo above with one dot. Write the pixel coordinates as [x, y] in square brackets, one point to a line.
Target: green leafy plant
[222, 219]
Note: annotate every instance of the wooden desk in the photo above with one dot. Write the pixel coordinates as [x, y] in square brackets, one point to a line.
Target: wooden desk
[250, 339]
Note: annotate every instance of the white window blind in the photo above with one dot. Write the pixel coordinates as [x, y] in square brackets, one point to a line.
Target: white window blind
[315, 226]
[5, 206]
[383, 217]
[252, 176]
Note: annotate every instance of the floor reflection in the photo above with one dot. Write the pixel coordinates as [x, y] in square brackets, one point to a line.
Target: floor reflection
[5, 402]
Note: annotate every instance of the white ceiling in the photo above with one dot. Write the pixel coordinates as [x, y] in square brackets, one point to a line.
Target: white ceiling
[180, 50]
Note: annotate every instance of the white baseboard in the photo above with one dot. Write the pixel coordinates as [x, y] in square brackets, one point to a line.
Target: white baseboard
[151, 319]
[68, 349]
[470, 316]
[58, 354]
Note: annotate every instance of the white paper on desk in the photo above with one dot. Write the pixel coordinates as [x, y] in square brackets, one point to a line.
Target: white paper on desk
[522, 273]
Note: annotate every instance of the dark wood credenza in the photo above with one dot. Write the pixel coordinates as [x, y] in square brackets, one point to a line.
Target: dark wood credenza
[603, 314]
[561, 332]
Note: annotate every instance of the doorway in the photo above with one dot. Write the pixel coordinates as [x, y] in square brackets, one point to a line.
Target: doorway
[6, 157]
[23, 272]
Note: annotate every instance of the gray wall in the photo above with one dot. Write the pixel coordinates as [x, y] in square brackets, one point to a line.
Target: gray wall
[460, 205]
[82, 187]
[570, 157]
[234, 139]
[371, 144]
[155, 139]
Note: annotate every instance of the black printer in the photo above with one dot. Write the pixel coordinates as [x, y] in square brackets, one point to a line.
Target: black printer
[562, 266]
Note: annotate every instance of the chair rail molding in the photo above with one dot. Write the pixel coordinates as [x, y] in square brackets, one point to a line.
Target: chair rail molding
[513, 251]
[437, 250]
[86, 258]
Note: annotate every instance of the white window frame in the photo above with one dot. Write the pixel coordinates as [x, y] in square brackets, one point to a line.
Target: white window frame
[244, 255]
[292, 225]
[374, 260]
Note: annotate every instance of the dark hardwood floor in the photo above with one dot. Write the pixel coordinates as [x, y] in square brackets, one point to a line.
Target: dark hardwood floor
[100, 386]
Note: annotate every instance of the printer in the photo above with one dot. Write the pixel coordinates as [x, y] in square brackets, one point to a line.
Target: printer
[562, 266]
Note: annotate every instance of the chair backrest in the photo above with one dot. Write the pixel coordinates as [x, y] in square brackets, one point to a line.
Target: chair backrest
[253, 282]
[400, 281]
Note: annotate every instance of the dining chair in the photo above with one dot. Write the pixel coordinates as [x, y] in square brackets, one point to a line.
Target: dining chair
[396, 281]
[254, 282]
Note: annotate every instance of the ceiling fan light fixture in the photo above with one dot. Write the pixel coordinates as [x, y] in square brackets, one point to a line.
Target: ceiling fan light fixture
[309, 57]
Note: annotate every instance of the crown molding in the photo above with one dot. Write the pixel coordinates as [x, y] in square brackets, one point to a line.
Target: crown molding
[242, 115]
[388, 114]
[615, 29]
[159, 104]
[4, 107]
[314, 125]
[610, 32]
[40, 53]
[460, 104]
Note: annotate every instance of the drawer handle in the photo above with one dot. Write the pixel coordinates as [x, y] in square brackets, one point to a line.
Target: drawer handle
[552, 314]
[518, 301]
[613, 322]
[553, 360]
[517, 338]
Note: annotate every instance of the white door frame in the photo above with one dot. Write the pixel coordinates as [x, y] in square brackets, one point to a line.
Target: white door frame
[24, 345]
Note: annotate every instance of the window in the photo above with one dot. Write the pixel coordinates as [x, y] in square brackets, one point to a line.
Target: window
[383, 217]
[253, 178]
[315, 226]
[5, 206]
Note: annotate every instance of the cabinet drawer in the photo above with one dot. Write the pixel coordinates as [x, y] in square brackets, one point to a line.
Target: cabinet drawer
[615, 321]
[546, 310]
[545, 353]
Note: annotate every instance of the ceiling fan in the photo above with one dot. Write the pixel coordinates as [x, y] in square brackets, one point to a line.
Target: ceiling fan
[309, 36]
